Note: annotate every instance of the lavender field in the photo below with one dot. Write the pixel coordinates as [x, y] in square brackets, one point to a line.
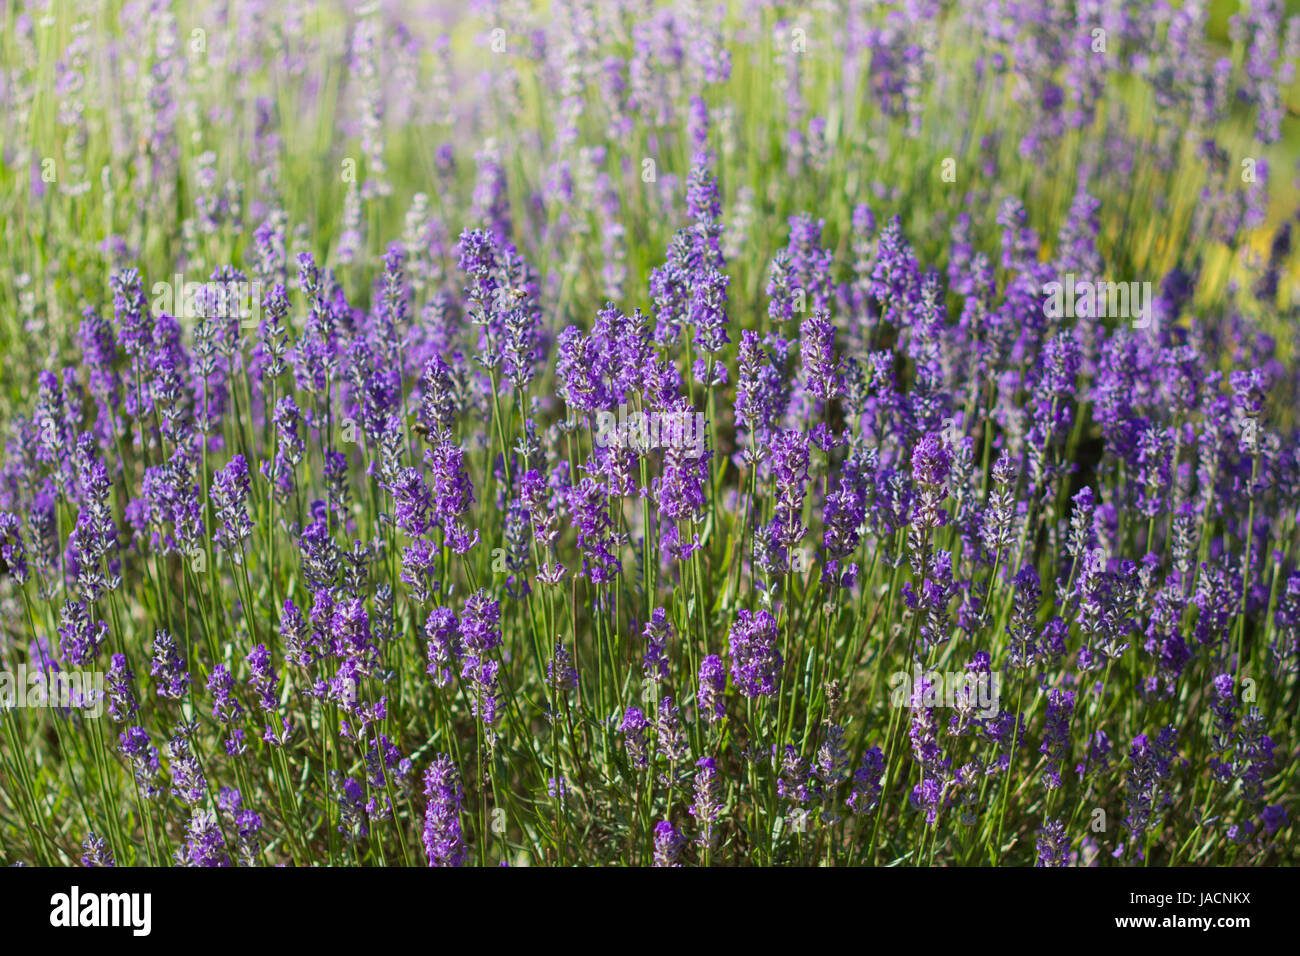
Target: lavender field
[607, 432]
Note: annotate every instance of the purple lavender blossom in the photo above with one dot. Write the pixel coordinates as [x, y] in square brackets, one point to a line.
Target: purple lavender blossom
[79, 639]
[1053, 845]
[188, 782]
[172, 678]
[707, 807]
[560, 672]
[119, 688]
[1150, 766]
[444, 842]
[867, 787]
[442, 634]
[634, 727]
[229, 499]
[204, 843]
[262, 678]
[820, 365]
[658, 632]
[480, 633]
[668, 844]
[97, 852]
[710, 696]
[670, 738]
[142, 756]
[1056, 739]
[226, 708]
[755, 661]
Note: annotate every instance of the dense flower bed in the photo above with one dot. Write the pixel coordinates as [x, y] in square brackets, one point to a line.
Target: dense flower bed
[649, 434]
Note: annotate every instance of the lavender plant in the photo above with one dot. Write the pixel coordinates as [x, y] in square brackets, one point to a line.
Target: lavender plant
[675, 434]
